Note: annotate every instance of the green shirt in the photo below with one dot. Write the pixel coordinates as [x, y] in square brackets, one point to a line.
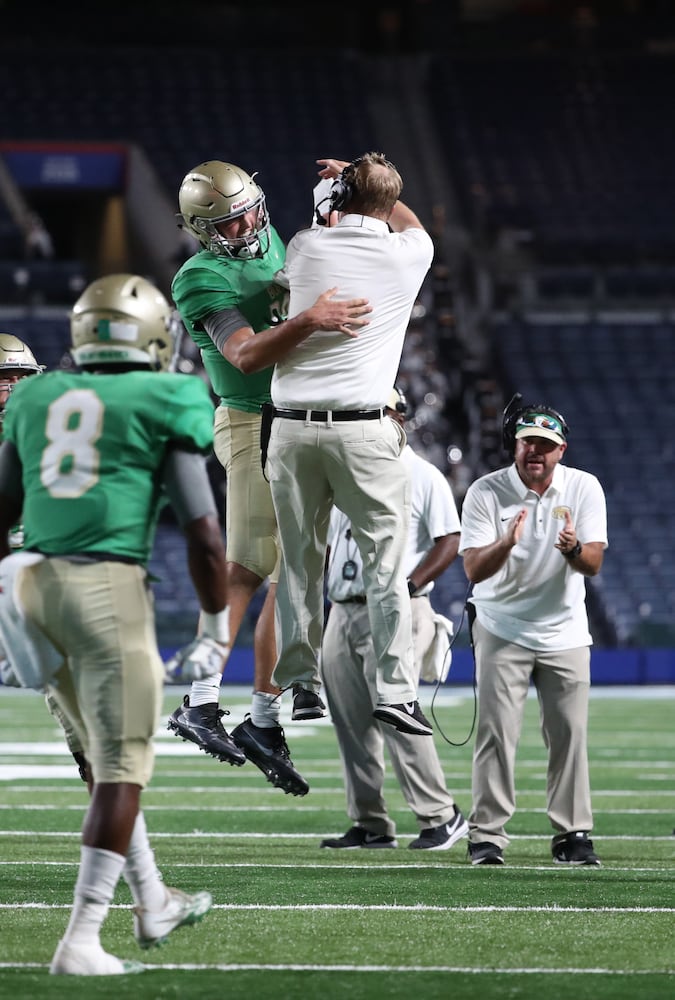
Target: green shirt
[92, 449]
[206, 284]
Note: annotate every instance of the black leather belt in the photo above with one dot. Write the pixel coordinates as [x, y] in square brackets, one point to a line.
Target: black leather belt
[328, 414]
[356, 599]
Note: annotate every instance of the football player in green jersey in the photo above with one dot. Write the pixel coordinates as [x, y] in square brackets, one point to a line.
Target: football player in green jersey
[235, 312]
[86, 460]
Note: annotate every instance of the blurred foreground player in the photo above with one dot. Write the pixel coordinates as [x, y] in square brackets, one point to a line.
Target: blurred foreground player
[86, 461]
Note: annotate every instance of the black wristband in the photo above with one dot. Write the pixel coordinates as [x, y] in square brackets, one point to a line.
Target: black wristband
[573, 553]
[412, 589]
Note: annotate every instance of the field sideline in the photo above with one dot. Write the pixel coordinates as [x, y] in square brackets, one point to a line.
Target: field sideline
[292, 921]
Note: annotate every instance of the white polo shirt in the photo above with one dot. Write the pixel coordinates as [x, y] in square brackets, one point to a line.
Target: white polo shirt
[536, 599]
[363, 259]
[433, 514]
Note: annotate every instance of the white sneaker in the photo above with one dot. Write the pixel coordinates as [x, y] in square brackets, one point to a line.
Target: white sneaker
[89, 960]
[151, 929]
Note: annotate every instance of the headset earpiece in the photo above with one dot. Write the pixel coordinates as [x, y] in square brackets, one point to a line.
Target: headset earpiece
[509, 417]
[515, 409]
[343, 186]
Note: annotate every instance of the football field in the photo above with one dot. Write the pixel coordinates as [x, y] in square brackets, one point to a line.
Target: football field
[291, 921]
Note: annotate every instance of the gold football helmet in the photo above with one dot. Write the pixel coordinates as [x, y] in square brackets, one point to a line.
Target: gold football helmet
[123, 319]
[17, 358]
[216, 192]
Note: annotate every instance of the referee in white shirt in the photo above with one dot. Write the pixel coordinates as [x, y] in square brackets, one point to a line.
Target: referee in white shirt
[530, 535]
[331, 441]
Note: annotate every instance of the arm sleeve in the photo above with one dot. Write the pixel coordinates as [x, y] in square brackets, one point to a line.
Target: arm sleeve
[222, 324]
[187, 486]
[10, 472]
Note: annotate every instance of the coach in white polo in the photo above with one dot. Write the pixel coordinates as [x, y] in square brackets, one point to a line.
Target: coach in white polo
[331, 441]
[530, 535]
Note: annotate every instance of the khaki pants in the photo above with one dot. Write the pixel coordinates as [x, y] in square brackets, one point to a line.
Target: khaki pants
[250, 522]
[357, 466]
[562, 681]
[110, 687]
[349, 668]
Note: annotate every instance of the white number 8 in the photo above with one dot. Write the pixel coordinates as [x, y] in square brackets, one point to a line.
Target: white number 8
[70, 463]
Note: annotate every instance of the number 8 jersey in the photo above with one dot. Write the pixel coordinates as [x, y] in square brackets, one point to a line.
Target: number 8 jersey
[92, 447]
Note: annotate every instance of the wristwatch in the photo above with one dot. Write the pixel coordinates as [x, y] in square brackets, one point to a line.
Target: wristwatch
[412, 589]
[573, 553]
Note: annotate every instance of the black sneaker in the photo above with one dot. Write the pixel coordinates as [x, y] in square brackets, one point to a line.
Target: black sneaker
[358, 837]
[441, 838]
[485, 853]
[574, 849]
[268, 750]
[407, 718]
[306, 704]
[202, 725]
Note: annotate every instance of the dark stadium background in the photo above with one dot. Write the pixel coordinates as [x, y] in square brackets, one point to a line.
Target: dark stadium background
[535, 141]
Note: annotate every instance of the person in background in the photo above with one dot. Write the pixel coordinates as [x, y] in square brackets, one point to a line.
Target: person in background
[87, 460]
[348, 669]
[235, 311]
[331, 441]
[531, 534]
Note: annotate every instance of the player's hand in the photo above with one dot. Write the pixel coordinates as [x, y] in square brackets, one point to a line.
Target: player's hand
[331, 168]
[347, 316]
[203, 657]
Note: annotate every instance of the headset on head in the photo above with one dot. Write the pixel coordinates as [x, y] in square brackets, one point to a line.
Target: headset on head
[515, 409]
[343, 186]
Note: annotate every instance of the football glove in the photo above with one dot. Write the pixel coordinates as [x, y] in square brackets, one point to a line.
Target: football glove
[7, 674]
[203, 657]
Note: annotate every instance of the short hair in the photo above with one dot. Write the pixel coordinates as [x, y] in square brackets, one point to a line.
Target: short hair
[376, 183]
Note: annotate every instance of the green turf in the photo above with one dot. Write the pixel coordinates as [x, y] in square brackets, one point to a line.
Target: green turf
[290, 920]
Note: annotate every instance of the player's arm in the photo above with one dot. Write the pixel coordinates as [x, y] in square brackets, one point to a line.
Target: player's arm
[251, 352]
[11, 493]
[189, 491]
[441, 554]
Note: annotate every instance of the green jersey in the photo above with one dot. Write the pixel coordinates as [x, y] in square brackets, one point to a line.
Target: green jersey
[15, 538]
[92, 449]
[206, 284]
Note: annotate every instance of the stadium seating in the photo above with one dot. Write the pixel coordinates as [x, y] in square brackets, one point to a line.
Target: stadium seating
[614, 382]
[568, 148]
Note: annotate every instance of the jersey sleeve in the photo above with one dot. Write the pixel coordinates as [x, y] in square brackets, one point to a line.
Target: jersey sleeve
[440, 508]
[198, 292]
[189, 415]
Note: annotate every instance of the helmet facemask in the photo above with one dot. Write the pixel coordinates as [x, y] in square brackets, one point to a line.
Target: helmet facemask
[17, 357]
[216, 194]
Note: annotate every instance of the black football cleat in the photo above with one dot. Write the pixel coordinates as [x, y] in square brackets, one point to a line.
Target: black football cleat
[268, 750]
[201, 725]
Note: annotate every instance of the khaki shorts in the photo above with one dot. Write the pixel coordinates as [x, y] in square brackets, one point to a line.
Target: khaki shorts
[110, 688]
[250, 523]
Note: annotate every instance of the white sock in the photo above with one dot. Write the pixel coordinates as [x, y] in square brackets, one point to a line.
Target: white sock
[265, 709]
[205, 691]
[94, 890]
[141, 872]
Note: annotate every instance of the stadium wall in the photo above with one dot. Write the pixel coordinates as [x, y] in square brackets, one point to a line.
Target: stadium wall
[608, 666]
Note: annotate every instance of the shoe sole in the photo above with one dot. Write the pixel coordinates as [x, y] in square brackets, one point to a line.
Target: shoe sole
[290, 784]
[304, 714]
[490, 860]
[403, 725]
[225, 757]
[358, 847]
[578, 864]
[456, 835]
